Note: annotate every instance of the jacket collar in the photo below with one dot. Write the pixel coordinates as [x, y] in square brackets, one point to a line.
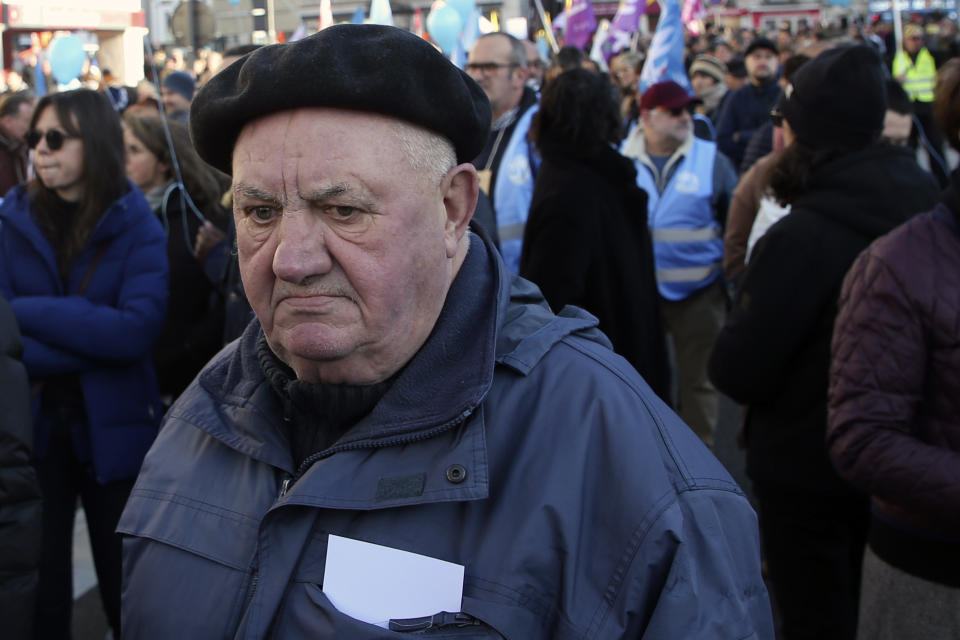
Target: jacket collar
[636, 147]
[490, 317]
[869, 191]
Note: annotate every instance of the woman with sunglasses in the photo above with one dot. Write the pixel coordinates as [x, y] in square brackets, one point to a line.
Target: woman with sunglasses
[83, 264]
[194, 326]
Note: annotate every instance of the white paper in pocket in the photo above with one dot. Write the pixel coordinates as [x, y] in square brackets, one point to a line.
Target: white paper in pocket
[376, 584]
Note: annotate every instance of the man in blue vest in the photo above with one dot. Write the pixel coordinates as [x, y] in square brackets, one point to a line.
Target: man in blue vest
[498, 62]
[689, 185]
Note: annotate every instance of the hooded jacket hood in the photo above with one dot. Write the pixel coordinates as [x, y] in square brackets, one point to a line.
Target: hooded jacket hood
[869, 190]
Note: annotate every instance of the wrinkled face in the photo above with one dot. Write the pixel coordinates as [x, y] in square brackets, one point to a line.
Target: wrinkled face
[490, 65]
[762, 65]
[667, 127]
[173, 102]
[143, 168]
[60, 170]
[702, 83]
[345, 248]
[623, 73]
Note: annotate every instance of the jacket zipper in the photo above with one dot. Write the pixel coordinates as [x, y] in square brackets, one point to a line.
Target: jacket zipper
[378, 444]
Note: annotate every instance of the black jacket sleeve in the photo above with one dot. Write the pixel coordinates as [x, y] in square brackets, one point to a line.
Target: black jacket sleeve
[19, 491]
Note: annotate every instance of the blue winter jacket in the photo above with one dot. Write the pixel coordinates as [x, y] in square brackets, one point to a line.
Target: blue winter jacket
[515, 443]
[104, 336]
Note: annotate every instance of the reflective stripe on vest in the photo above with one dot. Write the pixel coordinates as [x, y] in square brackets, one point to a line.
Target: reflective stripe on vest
[686, 274]
[513, 192]
[921, 77]
[687, 240]
[685, 235]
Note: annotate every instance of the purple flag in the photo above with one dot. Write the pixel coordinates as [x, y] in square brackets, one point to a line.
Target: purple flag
[581, 23]
[624, 25]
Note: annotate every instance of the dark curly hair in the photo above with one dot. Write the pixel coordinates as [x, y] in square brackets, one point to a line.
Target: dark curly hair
[578, 110]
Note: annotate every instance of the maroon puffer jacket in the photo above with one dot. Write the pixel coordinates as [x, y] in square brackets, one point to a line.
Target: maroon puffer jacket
[894, 425]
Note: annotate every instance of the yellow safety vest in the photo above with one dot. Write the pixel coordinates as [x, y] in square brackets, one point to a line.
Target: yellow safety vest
[921, 76]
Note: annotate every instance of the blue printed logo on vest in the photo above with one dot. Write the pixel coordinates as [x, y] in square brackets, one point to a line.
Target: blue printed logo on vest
[687, 182]
[519, 170]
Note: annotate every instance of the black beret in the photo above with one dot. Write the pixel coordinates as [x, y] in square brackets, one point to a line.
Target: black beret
[372, 68]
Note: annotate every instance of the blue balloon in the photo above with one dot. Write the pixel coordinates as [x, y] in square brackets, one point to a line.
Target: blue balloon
[66, 58]
[464, 8]
[443, 25]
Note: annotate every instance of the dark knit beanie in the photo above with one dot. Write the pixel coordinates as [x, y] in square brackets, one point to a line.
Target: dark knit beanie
[761, 43]
[710, 66]
[371, 68]
[838, 99]
[180, 82]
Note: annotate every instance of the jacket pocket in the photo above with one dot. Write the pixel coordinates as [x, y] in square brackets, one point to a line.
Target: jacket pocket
[186, 567]
[309, 610]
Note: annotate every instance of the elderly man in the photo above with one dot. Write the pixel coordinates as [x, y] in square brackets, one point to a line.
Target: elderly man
[506, 164]
[15, 112]
[689, 185]
[400, 393]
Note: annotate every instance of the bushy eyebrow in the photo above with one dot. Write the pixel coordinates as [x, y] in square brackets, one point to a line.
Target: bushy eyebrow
[360, 195]
[255, 193]
[333, 191]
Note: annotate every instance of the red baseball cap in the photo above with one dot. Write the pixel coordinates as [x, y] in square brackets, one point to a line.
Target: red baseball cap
[668, 95]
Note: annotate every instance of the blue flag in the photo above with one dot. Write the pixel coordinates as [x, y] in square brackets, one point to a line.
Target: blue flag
[665, 56]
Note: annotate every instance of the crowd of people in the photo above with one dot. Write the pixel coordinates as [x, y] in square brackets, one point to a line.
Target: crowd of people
[408, 304]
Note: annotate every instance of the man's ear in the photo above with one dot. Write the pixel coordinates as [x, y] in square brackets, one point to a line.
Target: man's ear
[522, 74]
[459, 190]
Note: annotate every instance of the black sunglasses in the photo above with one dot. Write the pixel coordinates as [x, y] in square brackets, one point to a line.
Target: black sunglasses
[55, 138]
[776, 118]
[678, 111]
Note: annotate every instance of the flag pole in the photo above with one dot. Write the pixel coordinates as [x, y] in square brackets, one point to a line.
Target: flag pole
[548, 30]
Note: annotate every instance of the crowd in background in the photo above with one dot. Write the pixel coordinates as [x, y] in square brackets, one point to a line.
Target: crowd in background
[770, 236]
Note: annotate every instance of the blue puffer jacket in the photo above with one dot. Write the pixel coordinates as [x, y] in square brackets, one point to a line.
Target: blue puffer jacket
[104, 336]
[514, 443]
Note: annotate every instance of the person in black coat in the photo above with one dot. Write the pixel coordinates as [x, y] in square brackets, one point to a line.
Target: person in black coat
[20, 507]
[845, 189]
[586, 241]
